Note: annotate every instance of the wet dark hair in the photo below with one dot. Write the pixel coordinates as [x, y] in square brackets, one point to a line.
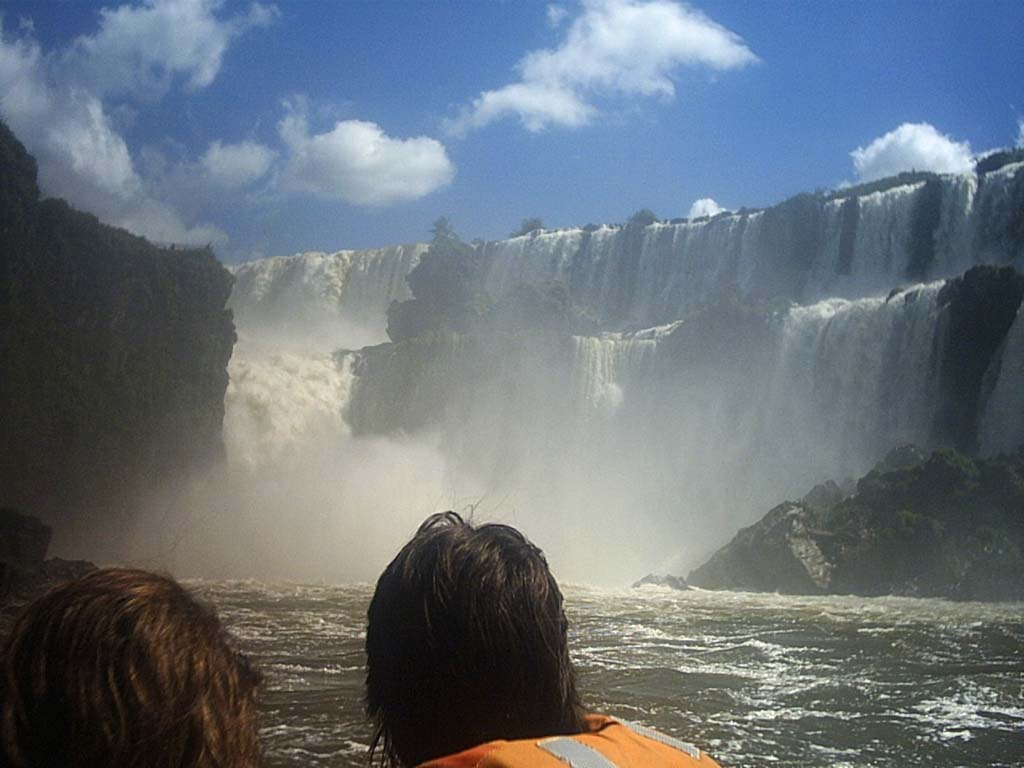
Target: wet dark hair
[125, 668]
[466, 642]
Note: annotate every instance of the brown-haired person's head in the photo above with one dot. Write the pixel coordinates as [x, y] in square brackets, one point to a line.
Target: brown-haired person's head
[125, 668]
[466, 642]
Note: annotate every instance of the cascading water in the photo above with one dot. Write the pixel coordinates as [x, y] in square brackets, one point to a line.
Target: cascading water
[344, 294]
[671, 437]
[796, 251]
[851, 378]
[603, 364]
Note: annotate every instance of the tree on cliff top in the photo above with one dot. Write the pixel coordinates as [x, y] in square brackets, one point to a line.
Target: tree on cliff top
[533, 224]
[642, 218]
[444, 286]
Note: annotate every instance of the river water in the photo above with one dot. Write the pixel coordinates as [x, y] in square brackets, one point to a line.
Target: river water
[756, 680]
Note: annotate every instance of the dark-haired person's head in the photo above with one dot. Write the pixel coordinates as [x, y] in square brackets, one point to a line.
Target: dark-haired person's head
[466, 642]
[125, 668]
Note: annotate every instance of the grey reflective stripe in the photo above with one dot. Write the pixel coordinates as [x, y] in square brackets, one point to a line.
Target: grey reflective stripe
[575, 753]
[660, 737]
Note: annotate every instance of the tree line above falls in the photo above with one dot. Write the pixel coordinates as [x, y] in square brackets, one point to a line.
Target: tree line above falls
[448, 294]
[114, 355]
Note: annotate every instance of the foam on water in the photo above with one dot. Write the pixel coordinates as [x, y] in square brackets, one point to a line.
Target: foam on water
[754, 679]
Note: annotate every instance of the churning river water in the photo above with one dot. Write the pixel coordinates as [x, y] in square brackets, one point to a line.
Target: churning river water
[756, 680]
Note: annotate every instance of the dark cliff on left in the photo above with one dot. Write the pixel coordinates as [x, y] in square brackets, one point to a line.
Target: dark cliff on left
[113, 354]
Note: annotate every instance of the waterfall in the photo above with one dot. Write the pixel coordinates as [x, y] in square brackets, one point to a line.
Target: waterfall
[1002, 423]
[603, 366]
[776, 350]
[852, 379]
[276, 399]
[802, 250]
[344, 295]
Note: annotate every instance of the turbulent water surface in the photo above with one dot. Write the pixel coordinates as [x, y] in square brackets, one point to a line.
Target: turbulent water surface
[754, 679]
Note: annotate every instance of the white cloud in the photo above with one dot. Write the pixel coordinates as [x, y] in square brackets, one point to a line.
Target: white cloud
[82, 140]
[912, 146]
[624, 47]
[705, 206]
[141, 48]
[55, 104]
[236, 165]
[556, 15]
[1020, 131]
[22, 89]
[537, 106]
[162, 224]
[356, 162]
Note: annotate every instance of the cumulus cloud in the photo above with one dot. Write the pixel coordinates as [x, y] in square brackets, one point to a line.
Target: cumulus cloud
[358, 163]
[705, 206]
[236, 165]
[141, 48]
[1020, 132]
[912, 146]
[55, 103]
[614, 47]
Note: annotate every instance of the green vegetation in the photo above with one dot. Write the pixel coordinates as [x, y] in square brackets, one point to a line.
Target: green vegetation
[881, 185]
[642, 218]
[997, 160]
[445, 289]
[534, 224]
[448, 297]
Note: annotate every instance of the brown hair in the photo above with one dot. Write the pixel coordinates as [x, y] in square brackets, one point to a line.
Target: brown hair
[125, 668]
[466, 642]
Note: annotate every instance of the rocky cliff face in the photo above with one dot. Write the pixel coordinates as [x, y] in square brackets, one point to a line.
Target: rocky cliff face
[25, 573]
[938, 526]
[113, 351]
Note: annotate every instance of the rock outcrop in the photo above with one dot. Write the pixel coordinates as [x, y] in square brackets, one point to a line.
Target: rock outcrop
[113, 351]
[944, 526]
[24, 570]
[667, 580]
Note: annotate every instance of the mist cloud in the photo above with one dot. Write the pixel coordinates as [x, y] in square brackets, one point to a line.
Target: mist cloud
[912, 146]
[358, 163]
[614, 47]
[705, 206]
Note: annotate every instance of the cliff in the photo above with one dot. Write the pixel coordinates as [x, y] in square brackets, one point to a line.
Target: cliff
[25, 573]
[114, 354]
[942, 525]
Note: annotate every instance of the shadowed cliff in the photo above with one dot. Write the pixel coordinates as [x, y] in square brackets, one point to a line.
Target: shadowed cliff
[114, 355]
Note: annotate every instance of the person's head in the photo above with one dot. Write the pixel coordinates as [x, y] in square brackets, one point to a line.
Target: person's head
[466, 642]
[125, 668]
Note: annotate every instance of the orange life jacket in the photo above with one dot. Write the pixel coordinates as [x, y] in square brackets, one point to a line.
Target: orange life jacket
[607, 743]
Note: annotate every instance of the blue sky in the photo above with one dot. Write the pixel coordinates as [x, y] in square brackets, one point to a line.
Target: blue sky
[270, 128]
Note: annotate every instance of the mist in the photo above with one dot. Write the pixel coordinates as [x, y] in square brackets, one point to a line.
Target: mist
[633, 448]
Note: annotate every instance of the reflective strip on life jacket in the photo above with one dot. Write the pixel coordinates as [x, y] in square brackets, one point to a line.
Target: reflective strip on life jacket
[574, 753]
[607, 743]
